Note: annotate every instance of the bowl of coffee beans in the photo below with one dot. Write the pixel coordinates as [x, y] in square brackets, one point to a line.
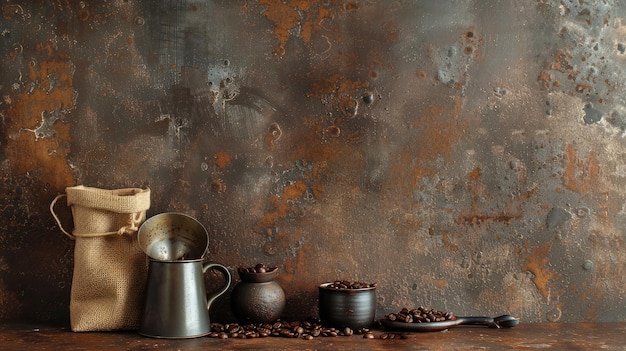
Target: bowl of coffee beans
[344, 303]
[260, 273]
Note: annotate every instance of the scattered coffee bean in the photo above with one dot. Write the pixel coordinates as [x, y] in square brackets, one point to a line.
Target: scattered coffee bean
[368, 335]
[346, 284]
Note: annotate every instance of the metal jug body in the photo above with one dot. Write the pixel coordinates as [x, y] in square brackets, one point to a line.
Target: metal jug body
[176, 303]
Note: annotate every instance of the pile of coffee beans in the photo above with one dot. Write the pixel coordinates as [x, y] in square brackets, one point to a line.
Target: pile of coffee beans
[346, 284]
[259, 268]
[297, 329]
[420, 315]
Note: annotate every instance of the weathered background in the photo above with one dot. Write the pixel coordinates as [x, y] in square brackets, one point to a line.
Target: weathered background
[464, 155]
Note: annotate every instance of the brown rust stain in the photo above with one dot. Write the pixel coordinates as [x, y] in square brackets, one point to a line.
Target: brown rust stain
[581, 176]
[313, 22]
[475, 174]
[223, 159]
[560, 63]
[286, 17]
[280, 204]
[447, 243]
[218, 185]
[46, 156]
[536, 264]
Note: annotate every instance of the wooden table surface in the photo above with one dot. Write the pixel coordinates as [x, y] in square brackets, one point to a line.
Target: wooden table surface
[598, 336]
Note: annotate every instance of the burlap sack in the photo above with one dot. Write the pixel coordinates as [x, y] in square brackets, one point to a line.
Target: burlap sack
[110, 270]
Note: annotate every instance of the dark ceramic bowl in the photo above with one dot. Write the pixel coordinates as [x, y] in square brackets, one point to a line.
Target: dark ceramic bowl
[353, 308]
[254, 277]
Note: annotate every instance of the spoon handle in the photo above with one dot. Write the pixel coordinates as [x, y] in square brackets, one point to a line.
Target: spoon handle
[505, 321]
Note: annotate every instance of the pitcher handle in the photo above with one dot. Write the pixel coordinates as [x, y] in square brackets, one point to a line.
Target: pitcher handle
[208, 265]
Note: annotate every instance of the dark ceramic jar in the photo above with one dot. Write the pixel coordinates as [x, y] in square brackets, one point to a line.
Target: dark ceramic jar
[258, 298]
[353, 308]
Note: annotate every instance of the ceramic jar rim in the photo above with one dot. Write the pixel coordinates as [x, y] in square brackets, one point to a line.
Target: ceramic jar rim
[258, 277]
[325, 286]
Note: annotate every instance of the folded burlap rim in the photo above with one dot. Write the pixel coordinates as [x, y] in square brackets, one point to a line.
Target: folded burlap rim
[132, 201]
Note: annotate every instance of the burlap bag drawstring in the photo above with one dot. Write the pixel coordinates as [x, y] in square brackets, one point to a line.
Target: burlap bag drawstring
[110, 270]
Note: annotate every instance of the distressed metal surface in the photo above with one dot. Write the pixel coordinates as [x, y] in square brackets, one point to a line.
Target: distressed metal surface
[465, 155]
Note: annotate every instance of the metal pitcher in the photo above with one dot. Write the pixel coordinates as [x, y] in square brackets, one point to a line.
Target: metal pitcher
[176, 304]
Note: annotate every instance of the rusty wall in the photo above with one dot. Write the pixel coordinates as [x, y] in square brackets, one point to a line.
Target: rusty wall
[464, 155]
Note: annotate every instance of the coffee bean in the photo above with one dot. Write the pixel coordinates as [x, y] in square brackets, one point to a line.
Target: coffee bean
[368, 335]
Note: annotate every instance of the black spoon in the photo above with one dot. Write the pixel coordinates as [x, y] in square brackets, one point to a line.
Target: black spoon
[505, 321]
